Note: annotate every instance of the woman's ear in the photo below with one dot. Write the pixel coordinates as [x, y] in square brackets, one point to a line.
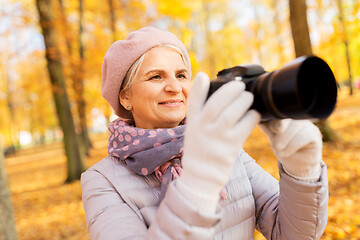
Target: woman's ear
[124, 99]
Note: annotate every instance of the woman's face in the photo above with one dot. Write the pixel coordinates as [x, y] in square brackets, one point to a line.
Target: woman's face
[159, 91]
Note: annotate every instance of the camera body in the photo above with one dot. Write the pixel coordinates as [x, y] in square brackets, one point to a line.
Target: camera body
[302, 89]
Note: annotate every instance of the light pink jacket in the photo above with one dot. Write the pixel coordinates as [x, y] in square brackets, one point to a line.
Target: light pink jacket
[120, 204]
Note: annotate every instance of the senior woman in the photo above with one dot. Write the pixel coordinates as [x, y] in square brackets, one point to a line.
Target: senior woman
[164, 179]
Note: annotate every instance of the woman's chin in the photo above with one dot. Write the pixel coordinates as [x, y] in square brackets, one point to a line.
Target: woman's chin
[172, 122]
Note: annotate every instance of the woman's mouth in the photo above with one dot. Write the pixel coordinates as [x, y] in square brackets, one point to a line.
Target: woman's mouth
[172, 103]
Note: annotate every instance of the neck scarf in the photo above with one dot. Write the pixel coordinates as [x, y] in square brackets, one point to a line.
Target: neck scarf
[147, 151]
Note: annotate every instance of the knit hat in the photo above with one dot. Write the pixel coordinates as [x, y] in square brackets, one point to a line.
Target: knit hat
[123, 53]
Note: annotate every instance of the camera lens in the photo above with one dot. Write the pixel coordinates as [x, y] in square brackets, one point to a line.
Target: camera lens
[303, 89]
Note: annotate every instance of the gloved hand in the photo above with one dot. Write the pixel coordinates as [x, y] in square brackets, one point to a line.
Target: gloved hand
[298, 146]
[214, 135]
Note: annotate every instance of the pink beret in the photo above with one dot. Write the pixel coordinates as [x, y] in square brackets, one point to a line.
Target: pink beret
[123, 53]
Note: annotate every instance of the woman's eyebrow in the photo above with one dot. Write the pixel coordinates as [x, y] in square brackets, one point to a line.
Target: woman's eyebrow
[181, 70]
[154, 71]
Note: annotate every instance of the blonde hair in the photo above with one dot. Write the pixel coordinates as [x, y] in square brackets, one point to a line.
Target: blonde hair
[134, 69]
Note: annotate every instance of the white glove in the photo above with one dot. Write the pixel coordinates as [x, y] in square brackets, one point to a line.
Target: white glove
[214, 135]
[298, 146]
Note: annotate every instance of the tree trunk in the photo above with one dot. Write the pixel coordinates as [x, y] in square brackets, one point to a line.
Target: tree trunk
[302, 43]
[14, 141]
[80, 84]
[112, 20]
[77, 77]
[74, 159]
[346, 43]
[7, 222]
[299, 27]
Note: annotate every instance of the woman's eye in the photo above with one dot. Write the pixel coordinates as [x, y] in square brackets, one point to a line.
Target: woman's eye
[155, 77]
[181, 76]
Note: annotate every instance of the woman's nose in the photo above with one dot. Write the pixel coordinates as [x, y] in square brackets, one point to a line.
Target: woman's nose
[172, 85]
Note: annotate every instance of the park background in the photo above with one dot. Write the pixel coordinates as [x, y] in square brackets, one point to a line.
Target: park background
[50, 94]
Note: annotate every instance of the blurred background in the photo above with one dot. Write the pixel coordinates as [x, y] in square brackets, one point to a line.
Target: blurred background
[53, 120]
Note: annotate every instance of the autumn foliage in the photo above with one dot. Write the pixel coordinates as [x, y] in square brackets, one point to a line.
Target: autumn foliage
[217, 33]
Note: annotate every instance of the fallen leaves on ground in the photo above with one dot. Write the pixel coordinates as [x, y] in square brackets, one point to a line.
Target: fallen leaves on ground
[46, 208]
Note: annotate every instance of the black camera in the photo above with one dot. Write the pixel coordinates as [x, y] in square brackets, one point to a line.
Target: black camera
[302, 89]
